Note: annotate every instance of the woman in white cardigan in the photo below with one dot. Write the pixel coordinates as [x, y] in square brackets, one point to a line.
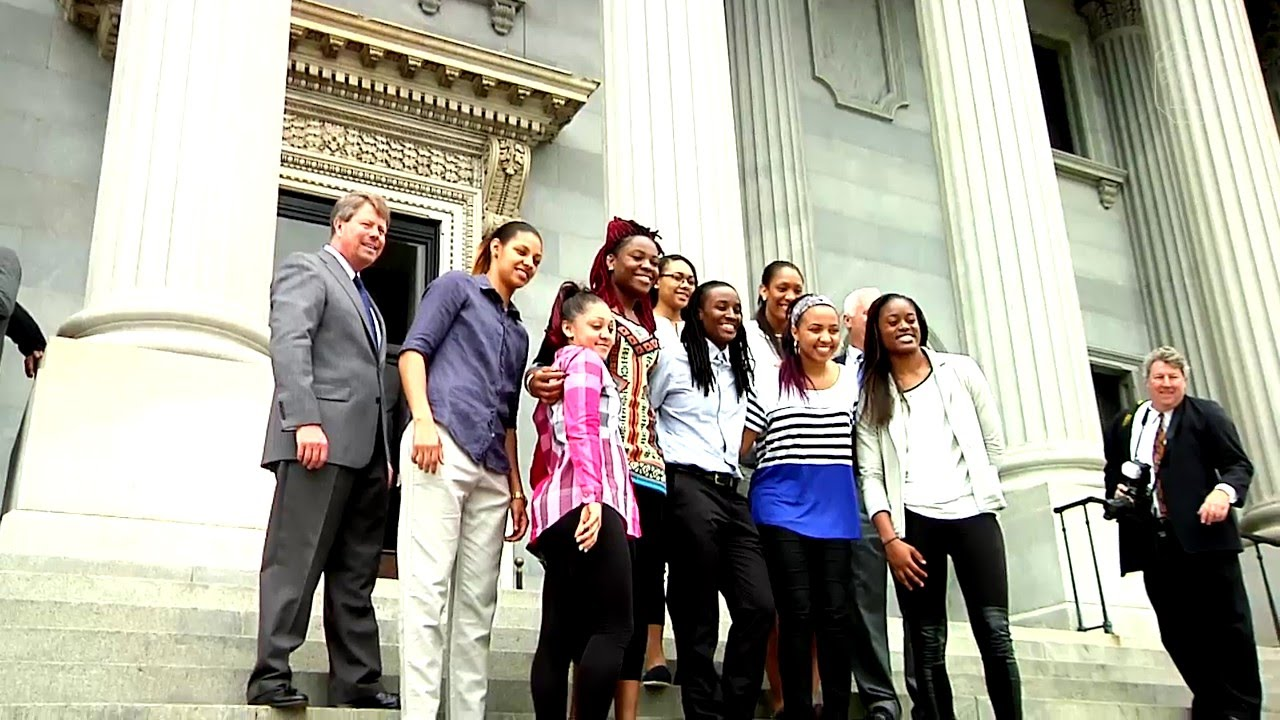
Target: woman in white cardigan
[929, 437]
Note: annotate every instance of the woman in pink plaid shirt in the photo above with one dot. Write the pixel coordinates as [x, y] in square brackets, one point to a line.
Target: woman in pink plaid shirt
[583, 519]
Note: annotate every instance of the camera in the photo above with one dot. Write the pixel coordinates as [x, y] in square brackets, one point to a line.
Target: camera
[1137, 492]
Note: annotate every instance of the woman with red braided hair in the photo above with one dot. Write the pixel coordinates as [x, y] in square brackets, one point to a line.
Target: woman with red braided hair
[622, 274]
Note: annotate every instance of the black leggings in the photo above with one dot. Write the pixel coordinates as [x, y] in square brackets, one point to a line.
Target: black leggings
[647, 582]
[976, 548]
[586, 617]
[811, 580]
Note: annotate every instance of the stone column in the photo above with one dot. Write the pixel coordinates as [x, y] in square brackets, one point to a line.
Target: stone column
[775, 183]
[1015, 287]
[1227, 152]
[144, 433]
[671, 151]
[1156, 215]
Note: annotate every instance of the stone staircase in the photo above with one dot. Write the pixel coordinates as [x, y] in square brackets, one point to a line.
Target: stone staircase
[120, 642]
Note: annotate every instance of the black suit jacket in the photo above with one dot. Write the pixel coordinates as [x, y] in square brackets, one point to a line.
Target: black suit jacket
[1202, 449]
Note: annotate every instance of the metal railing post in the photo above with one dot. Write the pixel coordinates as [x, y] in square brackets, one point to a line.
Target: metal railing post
[1060, 511]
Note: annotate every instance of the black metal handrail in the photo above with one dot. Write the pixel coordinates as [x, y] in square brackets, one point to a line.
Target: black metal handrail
[1258, 541]
[1071, 570]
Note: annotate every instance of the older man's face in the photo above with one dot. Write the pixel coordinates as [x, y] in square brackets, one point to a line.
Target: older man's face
[362, 238]
[856, 323]
[1166, 386]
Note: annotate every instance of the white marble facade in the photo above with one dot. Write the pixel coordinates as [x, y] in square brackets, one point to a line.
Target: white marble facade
[866, 162]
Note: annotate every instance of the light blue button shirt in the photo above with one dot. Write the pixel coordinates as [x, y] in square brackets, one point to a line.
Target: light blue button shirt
[704, 431]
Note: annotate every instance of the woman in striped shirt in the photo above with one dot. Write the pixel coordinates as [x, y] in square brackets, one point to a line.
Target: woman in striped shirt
[805, 503]
[583, 519]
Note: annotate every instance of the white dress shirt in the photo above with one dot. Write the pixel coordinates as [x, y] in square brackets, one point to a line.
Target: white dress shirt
[1142, 441]
[378, 333]
[703, 431]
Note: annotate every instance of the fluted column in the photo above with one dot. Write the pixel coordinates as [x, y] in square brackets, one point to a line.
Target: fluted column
[1015, 286]
[184, 233]
[143, 438]
[775, 193]
[1227, 151]
[1173, 295]
[671, 155]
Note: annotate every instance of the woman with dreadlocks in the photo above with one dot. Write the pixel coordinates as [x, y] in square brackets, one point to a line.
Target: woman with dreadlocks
[805, 504]
[624, 271]
[700, 391]
[929, 440]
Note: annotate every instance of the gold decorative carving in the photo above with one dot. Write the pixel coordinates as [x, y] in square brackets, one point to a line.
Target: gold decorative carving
[370, 147]
[506, 172]
[101, 17]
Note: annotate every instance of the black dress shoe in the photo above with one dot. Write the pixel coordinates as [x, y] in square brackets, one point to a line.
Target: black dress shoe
[379, 701]
[281, 697]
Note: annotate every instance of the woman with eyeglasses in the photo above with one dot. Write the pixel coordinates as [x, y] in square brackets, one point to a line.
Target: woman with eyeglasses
[677, 279]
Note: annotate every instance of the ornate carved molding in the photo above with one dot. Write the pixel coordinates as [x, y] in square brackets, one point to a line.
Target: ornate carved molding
[368, 146]
[506, 171]
[1104, 16]
[101, 17]
[1107, 178]
[863, 70]
[502, 13]
[431, 77]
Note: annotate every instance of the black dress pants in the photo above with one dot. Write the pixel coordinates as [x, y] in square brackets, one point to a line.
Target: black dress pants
[976, 548]
[328, 521]
[586, 617]
[811, 579]
[1205, 625]
[715, 550]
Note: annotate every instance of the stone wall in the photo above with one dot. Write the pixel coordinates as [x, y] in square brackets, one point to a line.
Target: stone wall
[53, 114]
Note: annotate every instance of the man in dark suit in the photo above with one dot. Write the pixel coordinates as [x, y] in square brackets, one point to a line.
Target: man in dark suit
[327, 443]
[1183, 535]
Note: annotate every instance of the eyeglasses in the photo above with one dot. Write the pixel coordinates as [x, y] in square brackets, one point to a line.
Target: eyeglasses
[682, 279]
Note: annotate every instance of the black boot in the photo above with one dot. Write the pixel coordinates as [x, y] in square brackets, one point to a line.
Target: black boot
[1004, 684]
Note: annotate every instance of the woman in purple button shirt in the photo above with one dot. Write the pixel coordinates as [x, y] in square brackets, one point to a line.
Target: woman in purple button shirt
[460, 368]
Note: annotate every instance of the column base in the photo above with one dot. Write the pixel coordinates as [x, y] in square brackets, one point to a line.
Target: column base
[165, 320]
[141, 455]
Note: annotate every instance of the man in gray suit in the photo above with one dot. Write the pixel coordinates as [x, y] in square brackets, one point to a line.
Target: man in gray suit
[327, 444]
[10, 281]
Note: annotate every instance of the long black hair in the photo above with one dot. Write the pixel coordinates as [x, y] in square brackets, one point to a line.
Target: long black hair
[694, 338]
[877, 372]
[766, 278]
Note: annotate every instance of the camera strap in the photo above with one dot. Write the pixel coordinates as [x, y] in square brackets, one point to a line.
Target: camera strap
[1143, 412]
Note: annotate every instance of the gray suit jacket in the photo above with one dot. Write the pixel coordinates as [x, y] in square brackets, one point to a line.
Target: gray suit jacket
[10, 281]
[327, 370]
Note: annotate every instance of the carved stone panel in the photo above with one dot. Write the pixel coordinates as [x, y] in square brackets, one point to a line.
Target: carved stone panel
[365, 145]
[857, 53]
[506, 170]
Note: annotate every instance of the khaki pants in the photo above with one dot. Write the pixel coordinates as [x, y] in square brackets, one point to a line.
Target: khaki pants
[449, 552]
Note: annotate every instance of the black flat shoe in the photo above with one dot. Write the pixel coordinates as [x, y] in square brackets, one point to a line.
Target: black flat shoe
[282, 697]
[657, 676]
[380, 701]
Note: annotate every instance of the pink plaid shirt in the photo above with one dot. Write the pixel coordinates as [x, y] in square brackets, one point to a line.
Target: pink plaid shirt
[580, 456]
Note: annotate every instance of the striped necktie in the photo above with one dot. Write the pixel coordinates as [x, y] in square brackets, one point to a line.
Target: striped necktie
[1157, 454]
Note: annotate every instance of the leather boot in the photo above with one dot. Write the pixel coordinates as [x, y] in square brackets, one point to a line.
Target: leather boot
[1004, 684]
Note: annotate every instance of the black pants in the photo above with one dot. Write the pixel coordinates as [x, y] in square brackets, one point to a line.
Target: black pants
[715, 549]
[869, 641]
[810, 580]
[326, 521]
[976, 548]
[648, 583]
[586, 617]
[1205, 624]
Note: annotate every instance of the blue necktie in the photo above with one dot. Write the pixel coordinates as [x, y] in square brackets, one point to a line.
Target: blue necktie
[368, 309]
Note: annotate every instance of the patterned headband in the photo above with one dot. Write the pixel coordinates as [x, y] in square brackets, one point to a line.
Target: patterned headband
[803, 305]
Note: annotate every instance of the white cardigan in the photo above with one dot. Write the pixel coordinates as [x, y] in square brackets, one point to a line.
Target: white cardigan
[975, 420]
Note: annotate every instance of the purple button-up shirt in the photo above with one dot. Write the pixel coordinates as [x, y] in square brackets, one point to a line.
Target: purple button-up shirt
[476, 352]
